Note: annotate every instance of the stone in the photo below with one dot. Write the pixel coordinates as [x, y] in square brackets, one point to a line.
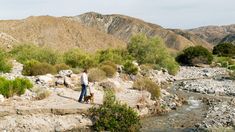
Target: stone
[59, 81]
[68, 82]
[65, 73]
[1, 98]
[45, 80]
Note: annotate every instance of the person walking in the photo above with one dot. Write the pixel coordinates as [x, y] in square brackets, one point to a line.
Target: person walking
[84, 83]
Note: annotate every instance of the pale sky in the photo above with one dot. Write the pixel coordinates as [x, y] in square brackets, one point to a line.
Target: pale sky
[167, 13]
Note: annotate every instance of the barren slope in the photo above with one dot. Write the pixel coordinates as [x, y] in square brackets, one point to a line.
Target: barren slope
[213, 34]
[58, 33]
[123, 27]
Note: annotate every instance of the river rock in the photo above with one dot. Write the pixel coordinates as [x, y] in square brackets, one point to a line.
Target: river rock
[65, 73]
[45, 80]
[1, 98]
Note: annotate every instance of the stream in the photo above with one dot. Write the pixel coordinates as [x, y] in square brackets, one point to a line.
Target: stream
[183, 119]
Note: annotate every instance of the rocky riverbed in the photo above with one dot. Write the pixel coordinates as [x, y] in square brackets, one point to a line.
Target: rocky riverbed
[209, 86]
[197, 99]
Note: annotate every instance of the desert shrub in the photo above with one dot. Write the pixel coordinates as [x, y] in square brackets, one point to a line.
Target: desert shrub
[224, 49]
[33, 68]
[110, 63]
[25, 52]
[114, 116]
[224, 61]
[130, 68]
[41, 93]
[77, 58]
[109, 70]
[147, 84]
[96, 74]
[61, 66]
[5, 64]
[231, 67]
[8, 88]
[195, 55]
[152, 51]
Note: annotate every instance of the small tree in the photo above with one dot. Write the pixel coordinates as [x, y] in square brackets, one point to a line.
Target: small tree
[195, 55]
[152, 51]
[224, 49]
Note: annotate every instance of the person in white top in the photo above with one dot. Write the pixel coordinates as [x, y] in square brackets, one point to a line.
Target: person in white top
[84, 83]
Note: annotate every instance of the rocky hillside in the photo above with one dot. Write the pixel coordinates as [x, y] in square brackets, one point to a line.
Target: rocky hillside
[123, 27]
[213, 34]
[56, 32]
[229, 39]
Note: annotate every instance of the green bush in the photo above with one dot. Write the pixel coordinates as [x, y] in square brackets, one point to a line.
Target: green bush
[25, 52]
[5, 65]
[113, 116]
[76, 58]
[33, 68]
[117, 56]
[110, 63]
[96, 74]
[8, 88]
[152, 51]
[195, 55]
[109, 70]
[224, 49]
[61, 66]
[224, 61]
[147, 84]
[130, 68]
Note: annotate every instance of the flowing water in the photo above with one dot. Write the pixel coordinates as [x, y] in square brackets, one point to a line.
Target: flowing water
[183, 119]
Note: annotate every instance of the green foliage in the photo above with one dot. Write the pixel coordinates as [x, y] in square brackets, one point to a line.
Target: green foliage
[77, 58]
[116, 56]
[224, 61]
[8, 88]
[25, 52]
[109, 70]
[61, 66]
[96, 74]
[147, 84]
[33, 68]
[130, 68]
[152, 51]
[195, 55]
[5, 65]
[110, 63]
[224, 49]
[114, 116]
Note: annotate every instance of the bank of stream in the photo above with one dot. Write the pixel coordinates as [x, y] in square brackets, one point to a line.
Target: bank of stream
[184, 118]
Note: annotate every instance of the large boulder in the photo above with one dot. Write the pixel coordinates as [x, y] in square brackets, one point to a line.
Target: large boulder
[66, 73]
[47, 79]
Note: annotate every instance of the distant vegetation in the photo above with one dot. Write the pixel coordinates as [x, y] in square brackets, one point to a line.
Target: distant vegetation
[152, 51]
[9, 88]
[224, 49]
[114, 116]
[195, 55]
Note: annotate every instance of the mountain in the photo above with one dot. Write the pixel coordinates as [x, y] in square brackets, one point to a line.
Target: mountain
[91, 31]
[229, 39]
[213, 34]
[58, 33]
[123, 27]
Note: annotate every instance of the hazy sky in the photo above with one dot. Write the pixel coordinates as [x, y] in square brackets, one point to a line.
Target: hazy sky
[167, 13]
